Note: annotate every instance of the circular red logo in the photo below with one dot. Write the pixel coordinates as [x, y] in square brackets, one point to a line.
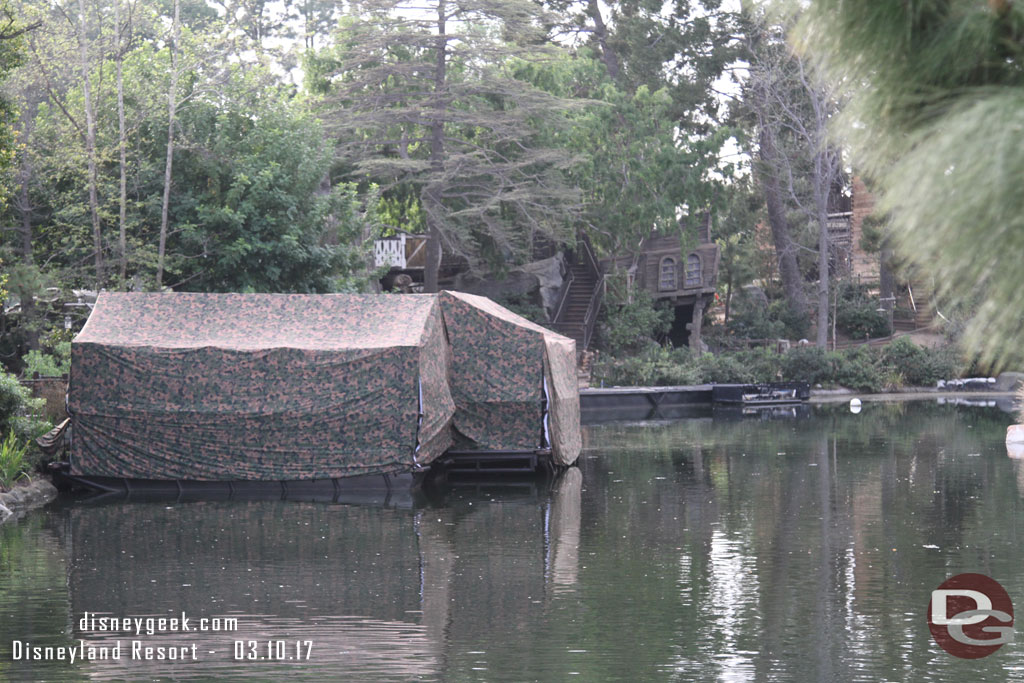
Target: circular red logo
[970, 616]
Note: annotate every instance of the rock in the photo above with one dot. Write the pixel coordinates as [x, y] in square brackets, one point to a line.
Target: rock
[756, 296]
[15, 496]
[1009, 381]
[23, 498]
[538, 282]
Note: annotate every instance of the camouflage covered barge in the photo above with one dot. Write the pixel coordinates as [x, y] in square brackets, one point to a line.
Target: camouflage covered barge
[293, 387]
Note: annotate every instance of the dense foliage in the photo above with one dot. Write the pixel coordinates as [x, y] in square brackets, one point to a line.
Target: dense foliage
[934, 117]
[861, 368]
[175, 145]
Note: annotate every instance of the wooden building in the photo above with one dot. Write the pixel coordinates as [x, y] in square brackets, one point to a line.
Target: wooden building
[680, 268]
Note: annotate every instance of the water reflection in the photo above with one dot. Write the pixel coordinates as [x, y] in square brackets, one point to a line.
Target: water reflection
[726, 549]
[372, 587]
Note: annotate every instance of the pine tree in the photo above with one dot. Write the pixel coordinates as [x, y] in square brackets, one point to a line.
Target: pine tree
[936, 107]
[427, 99]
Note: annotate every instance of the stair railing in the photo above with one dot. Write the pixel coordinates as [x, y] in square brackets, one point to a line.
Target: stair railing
[594, 305]
[563, 297]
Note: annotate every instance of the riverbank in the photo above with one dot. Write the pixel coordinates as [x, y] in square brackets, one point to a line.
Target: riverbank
[21, 499]
[907, 394]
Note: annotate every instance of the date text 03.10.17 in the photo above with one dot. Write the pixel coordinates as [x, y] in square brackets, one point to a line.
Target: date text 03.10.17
[273, 650]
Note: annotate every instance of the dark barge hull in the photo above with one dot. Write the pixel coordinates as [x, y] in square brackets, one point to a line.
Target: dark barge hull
[360, 489]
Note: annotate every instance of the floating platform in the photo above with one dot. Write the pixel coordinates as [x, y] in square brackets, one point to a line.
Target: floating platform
[770, 393]
[676, 402]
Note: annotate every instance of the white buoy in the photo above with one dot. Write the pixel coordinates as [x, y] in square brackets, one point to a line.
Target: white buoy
[855, 405]
[1015, 441]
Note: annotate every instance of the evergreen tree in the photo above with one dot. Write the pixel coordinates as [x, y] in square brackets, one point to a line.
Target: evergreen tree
[936, 107]
[424, 98]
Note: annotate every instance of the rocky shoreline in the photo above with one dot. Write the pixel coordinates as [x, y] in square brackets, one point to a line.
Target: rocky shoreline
[19, 500]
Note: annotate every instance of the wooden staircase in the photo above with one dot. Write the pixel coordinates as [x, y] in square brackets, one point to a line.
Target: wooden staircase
[925, 310]
[577, 311]
[573, 322]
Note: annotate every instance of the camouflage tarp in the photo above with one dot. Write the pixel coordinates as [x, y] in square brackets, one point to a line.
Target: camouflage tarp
[514, 382]
[258, 386]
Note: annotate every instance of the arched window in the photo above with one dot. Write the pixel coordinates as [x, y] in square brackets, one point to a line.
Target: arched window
[693, 271]
[667, 275]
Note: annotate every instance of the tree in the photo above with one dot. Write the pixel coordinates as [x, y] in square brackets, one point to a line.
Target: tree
[90, 140]
[249, 212]
[172, 108]
[241, 213]
[12, 53]
[122, 141]
[799, 169]
[637, 169]
[429, 100]
[735, 236]
[933, 117]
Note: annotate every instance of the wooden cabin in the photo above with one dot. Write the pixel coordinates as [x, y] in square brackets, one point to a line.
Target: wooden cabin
[685, 277]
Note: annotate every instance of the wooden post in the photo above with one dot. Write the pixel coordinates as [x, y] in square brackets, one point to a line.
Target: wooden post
[698, 316]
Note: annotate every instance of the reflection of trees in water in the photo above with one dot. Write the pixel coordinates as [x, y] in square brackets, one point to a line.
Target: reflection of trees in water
[34, 597]
[819, 505]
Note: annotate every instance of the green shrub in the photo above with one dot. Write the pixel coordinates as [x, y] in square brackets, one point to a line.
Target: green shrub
[13, 465]
[920, 366]
[763, 364]
[633, 326]
[656, 366]
[19, 412]
[807, 364]
[521, 304]
[861, 368]
[857, 369]
[56, 364]
[947, 363]
[857, 314]
[38, 362]
[795, 322]
[722, 369]
[750, 318]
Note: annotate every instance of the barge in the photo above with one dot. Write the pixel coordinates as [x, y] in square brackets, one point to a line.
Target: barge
[232, 391]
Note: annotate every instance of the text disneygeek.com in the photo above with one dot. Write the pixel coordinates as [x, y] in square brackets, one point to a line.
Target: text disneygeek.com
[139, 649]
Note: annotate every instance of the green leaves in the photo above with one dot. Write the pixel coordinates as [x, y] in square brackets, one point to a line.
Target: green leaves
[935, 115]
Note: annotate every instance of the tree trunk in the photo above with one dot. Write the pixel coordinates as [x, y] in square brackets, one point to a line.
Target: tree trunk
[785, 249]
[608, 56]
[172, 106]
[26, 214]
[823, 250]
[90, 146]
[695, 324]
[728, 296]
[122, 230]
[28, 304]
[886, 281]
[432, 199]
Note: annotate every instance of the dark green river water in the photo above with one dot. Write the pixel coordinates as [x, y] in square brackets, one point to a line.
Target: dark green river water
[800, 549]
